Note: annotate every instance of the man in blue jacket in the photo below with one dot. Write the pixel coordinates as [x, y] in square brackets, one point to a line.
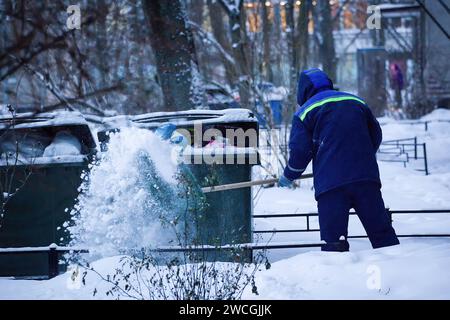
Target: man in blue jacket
[339, 133]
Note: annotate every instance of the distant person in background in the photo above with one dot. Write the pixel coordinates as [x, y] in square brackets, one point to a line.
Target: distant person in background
[397, 83]
[339, 133]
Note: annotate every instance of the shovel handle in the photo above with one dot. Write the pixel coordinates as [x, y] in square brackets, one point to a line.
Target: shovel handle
[246, 184]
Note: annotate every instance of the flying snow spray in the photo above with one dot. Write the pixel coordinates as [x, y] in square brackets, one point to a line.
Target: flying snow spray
[135, 196]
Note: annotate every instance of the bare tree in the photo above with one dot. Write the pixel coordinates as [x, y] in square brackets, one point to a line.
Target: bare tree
[103, 64]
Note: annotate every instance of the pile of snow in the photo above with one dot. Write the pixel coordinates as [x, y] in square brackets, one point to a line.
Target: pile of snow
[438, 114]
[128, 190]
[65, 144]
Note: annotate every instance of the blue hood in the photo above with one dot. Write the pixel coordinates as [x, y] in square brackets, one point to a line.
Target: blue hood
[310, 83]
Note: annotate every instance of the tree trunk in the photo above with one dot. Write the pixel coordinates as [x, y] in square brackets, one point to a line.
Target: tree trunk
[237, 25]
[174, 50]
[221, 35]
[196, 8]
[290, 43]
[266, 66]
[302, 36]
[326, 47]
[278, 78]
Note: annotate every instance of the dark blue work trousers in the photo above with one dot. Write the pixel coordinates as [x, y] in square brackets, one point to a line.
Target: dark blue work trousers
[366, 199]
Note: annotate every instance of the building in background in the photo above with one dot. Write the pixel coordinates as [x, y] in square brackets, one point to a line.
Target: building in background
[437, 52]
[415, 37]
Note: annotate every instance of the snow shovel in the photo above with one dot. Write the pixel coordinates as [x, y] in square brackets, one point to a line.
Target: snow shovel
[246, 184]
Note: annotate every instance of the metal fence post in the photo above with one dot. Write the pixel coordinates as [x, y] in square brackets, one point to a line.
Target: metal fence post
[52, 261]
[415, 148]
[425, 158]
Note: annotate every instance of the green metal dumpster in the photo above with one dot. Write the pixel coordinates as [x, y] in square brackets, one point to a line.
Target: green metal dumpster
[228, 214]
[41, 160]
[227, 219]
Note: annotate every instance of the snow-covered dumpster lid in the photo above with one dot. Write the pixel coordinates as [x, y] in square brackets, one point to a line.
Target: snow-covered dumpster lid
[45, 138]
[188, 117]
[236, 121]
[222, 120]
[44, 119]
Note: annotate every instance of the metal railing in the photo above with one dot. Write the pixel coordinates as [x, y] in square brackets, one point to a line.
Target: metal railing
[53, 251]
[425, 123]
[404, 150]
[307, 217]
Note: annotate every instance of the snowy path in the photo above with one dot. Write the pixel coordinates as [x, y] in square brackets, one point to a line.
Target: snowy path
[417, 269]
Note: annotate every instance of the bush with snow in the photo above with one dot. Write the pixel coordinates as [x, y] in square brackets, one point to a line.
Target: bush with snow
[183, 277]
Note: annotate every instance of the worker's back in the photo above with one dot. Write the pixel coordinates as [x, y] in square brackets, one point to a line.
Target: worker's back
[342, 132]
[339, 133]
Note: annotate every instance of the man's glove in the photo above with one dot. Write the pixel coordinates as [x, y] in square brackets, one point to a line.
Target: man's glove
[284, 182]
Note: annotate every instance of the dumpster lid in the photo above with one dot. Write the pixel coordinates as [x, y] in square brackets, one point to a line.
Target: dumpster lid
[45, 119]
[61, 119]
[186, 117]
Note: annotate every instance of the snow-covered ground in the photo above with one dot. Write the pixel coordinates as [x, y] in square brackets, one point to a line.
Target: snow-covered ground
[416, 269]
